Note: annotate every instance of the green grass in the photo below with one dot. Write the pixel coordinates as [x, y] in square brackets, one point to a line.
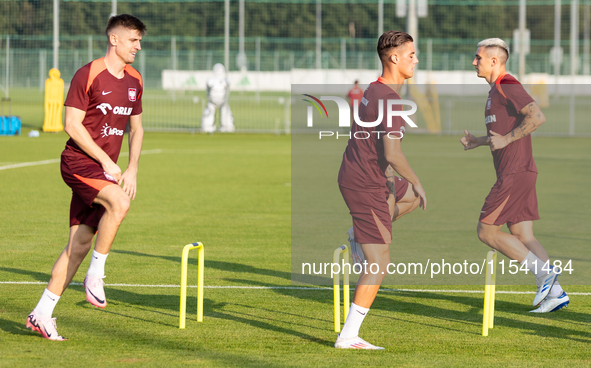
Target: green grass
[232, 193]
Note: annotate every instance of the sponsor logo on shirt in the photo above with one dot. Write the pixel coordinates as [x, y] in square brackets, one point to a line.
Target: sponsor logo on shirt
[132, 93]
[108, 131]
[117, 110]
[491, 119]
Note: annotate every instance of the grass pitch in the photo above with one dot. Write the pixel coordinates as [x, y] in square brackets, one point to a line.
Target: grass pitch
[232, 192]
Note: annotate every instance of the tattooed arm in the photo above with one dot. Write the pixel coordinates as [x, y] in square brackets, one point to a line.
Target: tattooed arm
[534, 117]
[390, 173]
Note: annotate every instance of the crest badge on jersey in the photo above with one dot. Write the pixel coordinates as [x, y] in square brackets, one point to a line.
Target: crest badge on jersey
[488, 102]
[132, 94]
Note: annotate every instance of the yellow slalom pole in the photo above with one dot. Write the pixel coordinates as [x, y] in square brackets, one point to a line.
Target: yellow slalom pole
[493, 280]
[346, 285]
[489, 295]
[184, 263]
[201, 262]
[336, 285]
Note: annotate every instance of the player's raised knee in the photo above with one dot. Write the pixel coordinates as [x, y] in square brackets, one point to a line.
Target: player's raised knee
[485, 234]
[121, 206]
[115, 201]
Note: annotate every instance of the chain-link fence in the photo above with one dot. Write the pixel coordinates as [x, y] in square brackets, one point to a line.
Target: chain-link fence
[273, 36]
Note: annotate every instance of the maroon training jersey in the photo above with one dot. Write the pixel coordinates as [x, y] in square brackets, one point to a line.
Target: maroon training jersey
[505, 100]
[364, 162]
[355, 93]
[108, 103]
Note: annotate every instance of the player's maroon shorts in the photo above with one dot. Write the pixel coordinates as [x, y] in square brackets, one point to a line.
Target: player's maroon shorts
[372, 223]
[511, 200]
[86, 178]
[400, 186]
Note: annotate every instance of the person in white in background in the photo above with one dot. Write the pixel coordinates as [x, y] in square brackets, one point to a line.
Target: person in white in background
[218, 93]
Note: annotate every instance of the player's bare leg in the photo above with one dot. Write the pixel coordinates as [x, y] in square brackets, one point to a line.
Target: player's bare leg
[365, 293]
[557, 298]
[369, 283]
[116, 203]
[405, 205]
[70, 259]
[513, 248]
[524, 232]
[64, 269]
[507, 244]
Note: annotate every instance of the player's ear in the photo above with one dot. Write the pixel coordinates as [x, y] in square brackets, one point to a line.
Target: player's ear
[113, 39]
[393, 58]
[494, 61]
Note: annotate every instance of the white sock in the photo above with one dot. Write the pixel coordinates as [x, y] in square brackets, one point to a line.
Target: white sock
[353, 323]
[97, 264]
[556, 289]
[534, 264]
[46, 305]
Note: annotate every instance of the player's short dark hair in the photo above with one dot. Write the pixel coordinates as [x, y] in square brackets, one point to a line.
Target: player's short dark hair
[127, 21]
[391, 40]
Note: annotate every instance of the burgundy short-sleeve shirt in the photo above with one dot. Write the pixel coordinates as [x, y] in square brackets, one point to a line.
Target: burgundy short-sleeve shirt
[108, 103]
[364, 163]
[505, 100]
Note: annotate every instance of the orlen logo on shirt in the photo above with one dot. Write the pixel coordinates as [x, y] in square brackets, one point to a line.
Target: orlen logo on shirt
[491, 119]
[117, 110]
[107, 131]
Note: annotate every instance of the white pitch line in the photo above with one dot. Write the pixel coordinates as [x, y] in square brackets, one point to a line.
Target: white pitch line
[284, 288]
[56, 160]
[34, 163]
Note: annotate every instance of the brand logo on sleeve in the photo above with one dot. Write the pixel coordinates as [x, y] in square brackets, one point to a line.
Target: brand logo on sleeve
[132, 94]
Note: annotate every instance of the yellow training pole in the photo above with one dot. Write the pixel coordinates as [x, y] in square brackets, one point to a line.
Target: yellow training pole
[184, 263]
[489, 293]
[336, 284]
[346, 302]
[493, 280]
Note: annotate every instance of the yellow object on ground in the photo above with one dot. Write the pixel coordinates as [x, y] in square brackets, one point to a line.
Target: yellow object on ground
[54, 102]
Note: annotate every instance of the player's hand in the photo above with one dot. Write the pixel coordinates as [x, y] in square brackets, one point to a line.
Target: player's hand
[469, 141]
[420, 192]
[129, 183]
[497, 141]
[113, 169]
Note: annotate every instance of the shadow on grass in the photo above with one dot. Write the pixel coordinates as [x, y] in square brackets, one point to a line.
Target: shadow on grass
[219, 265]
[15, 328]
[474, 314]
[427, 306]
[39, 276]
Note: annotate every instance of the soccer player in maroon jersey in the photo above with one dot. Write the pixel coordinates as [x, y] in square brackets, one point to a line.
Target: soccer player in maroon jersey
[511, 115]
[363, 182]
[103, 97]
[355, 94]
